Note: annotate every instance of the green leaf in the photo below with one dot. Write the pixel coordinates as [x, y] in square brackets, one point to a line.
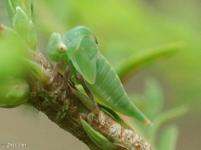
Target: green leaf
[26, 5]
[113, 115]
[36, 70]
[25, 27]
[137, 61]
[153, 99]
[171, 114]
[11, 7]
[13, 92]
[101, 141]
[168, 139]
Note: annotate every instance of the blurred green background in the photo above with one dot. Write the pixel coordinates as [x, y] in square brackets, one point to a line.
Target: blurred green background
[123, 27]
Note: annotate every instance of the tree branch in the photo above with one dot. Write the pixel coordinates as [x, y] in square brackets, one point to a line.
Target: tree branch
[57, 100]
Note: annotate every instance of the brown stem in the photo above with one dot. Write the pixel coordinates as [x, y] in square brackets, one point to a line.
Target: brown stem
[58, 101]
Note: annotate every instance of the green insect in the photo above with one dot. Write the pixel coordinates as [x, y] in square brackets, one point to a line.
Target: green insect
[78, 48]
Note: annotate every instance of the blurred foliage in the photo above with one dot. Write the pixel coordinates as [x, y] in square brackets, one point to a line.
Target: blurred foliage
[13, 92]
[168, 139]
[15, 44]
[22, 15]
[138, 60]
[12, 51]
[151, 102]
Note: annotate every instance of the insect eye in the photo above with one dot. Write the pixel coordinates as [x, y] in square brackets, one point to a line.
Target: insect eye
[62, 48]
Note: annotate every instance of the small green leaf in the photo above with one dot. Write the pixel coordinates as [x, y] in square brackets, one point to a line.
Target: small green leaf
[13, 92]
[171, 114]
[101, 141]
[153, 99]
[168, 139]
[25, 27]
[137, 61]
[26, 5]
[36, 70]
[11, 7]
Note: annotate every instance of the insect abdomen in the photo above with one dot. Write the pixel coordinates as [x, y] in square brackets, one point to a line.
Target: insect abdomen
[111, 92]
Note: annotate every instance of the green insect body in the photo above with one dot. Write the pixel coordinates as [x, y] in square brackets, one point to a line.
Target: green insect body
[110, 91]
[97, 138]
[79, 47]
[82, 52]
